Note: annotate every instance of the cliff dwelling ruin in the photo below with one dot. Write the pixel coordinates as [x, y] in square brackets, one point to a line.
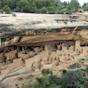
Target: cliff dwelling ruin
[33, 42]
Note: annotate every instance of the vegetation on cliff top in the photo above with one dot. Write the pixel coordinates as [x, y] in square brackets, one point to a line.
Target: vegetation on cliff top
[41, 6]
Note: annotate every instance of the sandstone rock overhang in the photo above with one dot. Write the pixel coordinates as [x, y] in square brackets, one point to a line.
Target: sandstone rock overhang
[17, 25]
[50, 38]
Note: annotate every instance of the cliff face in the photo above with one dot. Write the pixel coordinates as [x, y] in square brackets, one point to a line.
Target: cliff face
[15, 25]
[22, 57]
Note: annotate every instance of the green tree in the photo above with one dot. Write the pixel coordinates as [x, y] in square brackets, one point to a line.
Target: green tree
[42, 6]
[45, 6]
[59, 6]
[6, 9]
[12, 4]
[85, 7]
[73, 6]
[23, 6]
[2, 3]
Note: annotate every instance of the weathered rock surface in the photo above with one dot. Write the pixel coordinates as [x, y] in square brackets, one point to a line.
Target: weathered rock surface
[15, 25]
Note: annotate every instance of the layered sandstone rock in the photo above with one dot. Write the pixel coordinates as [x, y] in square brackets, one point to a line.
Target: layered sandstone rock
[28, 23]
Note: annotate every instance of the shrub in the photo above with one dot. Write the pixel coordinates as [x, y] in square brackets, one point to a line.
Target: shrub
[73, 79]
[6, 9]
[70, 79]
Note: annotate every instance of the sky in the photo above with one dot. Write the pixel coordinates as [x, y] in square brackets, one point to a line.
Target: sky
[81, 1]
